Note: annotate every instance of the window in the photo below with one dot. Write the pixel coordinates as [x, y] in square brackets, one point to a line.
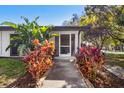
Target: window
[13, 50]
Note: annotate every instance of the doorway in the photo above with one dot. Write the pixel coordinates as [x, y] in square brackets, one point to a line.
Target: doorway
[65, 45]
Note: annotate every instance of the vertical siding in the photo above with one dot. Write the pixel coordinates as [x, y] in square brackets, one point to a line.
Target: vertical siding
[0, 43]
[5, 41]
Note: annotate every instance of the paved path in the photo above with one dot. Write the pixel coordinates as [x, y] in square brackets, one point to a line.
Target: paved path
[64, 75]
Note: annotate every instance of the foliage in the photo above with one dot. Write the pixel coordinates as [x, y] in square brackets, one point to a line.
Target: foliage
[36, 48]
[117, 25]
[90, 60]
[39, 60]
[28, 31]
[105, 24]
[74, 21]
[97, 37]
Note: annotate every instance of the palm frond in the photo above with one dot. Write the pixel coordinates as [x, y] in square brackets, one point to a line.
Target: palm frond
[36, 18]
[53, 35]
[13, 25]
[43, 29]
[25, 19]
[9, 46]
[22, 49]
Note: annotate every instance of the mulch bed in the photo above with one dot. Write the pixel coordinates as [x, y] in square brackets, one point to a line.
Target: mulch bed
[25, 81]
[105, 79]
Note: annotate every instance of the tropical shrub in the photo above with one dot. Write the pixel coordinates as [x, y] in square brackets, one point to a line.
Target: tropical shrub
[36, 48]
[39, 60]
[90, 60]
[27, 32]
[37, 63]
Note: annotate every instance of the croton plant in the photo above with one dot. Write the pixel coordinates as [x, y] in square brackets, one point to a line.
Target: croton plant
[39, 60]
[90, 59]
[35, 45]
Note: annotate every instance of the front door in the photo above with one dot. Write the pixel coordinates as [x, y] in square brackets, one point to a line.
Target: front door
[65, 45]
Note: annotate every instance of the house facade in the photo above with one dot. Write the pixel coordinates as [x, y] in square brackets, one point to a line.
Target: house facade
[65, 45]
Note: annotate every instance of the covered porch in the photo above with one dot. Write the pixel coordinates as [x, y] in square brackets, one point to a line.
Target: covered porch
[68, 41]
[66, 44]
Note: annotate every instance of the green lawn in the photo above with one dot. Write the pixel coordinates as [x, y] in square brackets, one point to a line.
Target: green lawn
[10, 69]
[115, 59]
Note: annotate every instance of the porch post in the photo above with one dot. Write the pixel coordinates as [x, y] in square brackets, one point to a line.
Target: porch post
[76, 42]
[70, 43]
[79, 39]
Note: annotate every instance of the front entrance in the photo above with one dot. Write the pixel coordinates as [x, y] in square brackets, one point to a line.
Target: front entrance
[65, 45]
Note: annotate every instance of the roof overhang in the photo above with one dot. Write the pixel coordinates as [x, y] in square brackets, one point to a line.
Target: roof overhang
[6, 28]
[54, 28]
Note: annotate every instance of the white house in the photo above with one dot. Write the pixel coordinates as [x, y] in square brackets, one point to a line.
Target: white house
[66, 44]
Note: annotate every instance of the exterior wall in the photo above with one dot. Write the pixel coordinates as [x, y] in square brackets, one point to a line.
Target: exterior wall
[68, 32]
[0, 43]
[56, 46]
[4, 42]
[80, 40]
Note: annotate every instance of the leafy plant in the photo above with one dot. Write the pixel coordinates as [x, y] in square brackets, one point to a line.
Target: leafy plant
[27, 32]
[39, 60]
[35, 46]
[90, 60]
[105, 25]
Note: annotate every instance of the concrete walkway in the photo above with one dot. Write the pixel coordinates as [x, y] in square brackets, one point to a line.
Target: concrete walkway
[64, 75]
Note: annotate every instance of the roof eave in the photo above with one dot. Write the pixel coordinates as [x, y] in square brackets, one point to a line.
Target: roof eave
[55, 28]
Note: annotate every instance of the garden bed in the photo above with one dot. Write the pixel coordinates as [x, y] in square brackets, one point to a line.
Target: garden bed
[105, 79]
[91, 62]
[13, 74]
[88, 83]
[27, 81]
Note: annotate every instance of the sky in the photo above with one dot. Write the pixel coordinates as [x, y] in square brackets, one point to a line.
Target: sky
[49, 14]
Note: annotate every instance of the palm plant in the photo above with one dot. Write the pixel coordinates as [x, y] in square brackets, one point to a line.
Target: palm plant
[27, 32]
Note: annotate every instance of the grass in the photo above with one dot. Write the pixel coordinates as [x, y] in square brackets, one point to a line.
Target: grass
[10, 69]
[115, 59]
[115, 63]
